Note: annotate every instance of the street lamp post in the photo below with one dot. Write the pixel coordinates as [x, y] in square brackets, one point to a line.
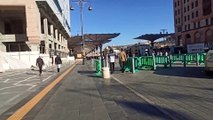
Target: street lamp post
[81, 4]
[164, 31]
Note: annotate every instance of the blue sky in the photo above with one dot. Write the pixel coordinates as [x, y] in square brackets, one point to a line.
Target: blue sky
[130, 18]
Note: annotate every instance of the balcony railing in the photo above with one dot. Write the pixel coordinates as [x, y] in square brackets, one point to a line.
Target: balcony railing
[13, 37]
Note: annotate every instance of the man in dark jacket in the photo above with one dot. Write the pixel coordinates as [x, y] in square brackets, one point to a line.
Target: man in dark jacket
[58, 62]
[39, 63]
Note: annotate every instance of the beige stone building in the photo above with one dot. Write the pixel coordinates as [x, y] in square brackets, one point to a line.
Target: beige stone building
[193, 22]
[34, 25]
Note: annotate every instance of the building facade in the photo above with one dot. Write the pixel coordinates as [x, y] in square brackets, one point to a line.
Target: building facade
[193, 22]
[34, 25]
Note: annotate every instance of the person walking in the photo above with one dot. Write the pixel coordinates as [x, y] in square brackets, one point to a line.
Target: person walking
[58, 62]
[112, 60]
[122, 58]
[40, 63]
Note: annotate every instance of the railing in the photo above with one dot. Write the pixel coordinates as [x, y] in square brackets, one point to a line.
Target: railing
[13, 37]
[133, 64]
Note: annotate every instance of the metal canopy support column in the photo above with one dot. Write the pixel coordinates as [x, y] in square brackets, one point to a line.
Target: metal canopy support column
[101, 55]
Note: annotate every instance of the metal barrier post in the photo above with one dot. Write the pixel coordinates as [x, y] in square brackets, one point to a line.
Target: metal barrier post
[133, 65]
[184, 60]
[170, 60]
[154, 62]
[197, 59]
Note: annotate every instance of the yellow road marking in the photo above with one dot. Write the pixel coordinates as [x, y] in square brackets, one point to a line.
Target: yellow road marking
[21, 112]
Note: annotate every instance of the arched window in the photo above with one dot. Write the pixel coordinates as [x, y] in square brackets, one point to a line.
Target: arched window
[188, 39]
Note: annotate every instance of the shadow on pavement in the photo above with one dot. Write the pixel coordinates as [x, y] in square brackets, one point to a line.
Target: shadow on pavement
[148, 109]
[189, 97]
[140, 107]
[193, 72]
[89, 74]
[86, 72]
[177, 85]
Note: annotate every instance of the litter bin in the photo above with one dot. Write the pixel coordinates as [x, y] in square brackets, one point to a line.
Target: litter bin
[105, 72]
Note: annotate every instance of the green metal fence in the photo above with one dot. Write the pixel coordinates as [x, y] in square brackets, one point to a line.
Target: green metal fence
[150, 62]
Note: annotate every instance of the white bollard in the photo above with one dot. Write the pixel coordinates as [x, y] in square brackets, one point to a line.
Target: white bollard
[105, 73]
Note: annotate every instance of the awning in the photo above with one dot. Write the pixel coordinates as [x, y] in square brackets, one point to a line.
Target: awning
[153, 37]
[91, 41]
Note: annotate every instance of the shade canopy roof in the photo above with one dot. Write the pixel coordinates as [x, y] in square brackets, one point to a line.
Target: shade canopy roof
[91, 41]
[153, 37]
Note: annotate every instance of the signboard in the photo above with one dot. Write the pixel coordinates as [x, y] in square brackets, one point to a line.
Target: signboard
[195, 48]
[209, 45]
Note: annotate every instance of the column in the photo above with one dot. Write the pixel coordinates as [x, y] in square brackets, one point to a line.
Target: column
[45, 23]
[56, 34]
[59, 37]
[33, 23]
[52, 38]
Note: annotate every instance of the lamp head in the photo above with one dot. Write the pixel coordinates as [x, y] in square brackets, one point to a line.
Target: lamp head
[72, 8]
[90, 8]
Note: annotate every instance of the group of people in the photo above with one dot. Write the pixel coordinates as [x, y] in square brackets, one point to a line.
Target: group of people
[40, 63]
[111, 55]
[122, 60]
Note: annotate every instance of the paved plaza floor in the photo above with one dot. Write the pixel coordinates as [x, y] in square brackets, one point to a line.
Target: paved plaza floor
[175, 93]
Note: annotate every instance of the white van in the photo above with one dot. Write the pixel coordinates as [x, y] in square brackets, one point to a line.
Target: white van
[209, 62]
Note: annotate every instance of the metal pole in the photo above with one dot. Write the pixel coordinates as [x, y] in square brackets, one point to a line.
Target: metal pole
[82, 29]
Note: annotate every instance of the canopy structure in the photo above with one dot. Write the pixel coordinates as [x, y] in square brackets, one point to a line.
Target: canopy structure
[91, 41]
[153, 37]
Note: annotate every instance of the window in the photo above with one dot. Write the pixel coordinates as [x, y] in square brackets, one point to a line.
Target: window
[188, 8]
[198, 24]
[192, 5]
[185, 27]
[179, 29]
[194, 24]
[178, 20]
[178, 11]
[184, 1]
[7, 28]
[178, 2]
[175, 12]
[196, 3]
[184, 18]
[184, 9]
[207, 21]
[192, 15]
[188, 26]
[175, 4]
[212, 21]
[196, 13]
[207, 8]
[188, 17]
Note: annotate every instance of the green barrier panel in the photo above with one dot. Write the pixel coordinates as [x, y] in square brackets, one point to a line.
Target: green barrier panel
[162, 60]
[128, 65]
[202, 57]
[98, 67]
[191, 58]
[147, 63]
[137, 63]
[177, 58]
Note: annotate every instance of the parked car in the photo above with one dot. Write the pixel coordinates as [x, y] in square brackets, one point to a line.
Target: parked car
[209, 62]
